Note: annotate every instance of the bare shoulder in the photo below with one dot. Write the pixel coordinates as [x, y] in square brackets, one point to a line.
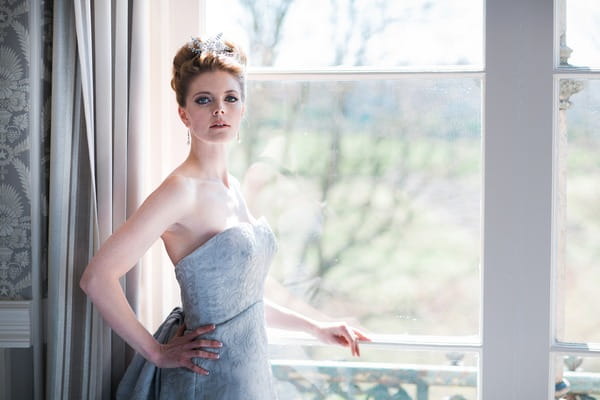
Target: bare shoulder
[197, 200]
[164, 207]
[190, 188]
[176, 186]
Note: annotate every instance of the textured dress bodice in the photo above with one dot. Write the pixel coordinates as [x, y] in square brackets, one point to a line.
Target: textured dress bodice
[226, 275]
[222, 283]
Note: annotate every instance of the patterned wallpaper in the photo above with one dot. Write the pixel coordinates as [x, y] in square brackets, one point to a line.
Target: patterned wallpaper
[15, 190]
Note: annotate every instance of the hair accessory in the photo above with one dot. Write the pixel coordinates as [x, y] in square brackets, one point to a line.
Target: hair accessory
[213, 45]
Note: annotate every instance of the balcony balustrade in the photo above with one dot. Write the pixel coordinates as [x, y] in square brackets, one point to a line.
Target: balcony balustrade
[328, 380]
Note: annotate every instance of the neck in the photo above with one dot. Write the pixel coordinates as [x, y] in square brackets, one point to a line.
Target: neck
[210, 160]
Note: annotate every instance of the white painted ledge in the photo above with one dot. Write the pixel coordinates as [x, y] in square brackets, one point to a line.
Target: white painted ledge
[15, 324]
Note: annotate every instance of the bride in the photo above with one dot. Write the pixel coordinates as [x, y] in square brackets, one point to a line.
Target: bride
[215, 346]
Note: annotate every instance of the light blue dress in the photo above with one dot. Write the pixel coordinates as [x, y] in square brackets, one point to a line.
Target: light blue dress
[221, 283]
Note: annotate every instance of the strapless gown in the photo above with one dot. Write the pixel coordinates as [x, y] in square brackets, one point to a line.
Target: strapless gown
[221, 283]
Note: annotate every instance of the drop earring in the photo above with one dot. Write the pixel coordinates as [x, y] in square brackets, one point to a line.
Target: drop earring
[188, 137]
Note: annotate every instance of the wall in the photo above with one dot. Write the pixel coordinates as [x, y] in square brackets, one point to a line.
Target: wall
[16, 136]
[15, 210]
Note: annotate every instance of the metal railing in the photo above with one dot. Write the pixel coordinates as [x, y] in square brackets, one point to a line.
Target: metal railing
[303, 379]
[376, 381]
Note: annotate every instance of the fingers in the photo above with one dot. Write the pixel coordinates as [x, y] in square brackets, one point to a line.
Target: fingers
[203, 343]
[199, 354]
[350, 339]
[201, 330]
[347, 336]
[354, 344]
[202, 354]
[199, 370]
[180, 330]
[209, 343]
[360, 335]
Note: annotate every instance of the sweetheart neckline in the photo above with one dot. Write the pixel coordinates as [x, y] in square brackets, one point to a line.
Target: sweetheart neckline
[239, 225]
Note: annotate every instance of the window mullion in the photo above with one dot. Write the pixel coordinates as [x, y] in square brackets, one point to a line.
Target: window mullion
[357, 75]
[518, 106]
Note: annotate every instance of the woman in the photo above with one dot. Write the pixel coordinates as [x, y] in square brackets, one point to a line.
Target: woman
[216, 347]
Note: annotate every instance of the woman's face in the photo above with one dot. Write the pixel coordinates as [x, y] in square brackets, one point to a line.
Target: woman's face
[213, 107]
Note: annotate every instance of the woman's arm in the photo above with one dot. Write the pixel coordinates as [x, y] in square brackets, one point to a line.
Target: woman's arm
[100, 280]
[329, 332]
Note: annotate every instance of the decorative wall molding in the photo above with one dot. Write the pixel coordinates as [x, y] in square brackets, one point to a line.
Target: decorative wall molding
[15, 324]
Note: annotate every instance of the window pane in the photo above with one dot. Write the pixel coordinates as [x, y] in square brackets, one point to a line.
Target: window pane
[578, 211]
[331, 373]
[316, 33]
[580, 19]
[373, 188]
[580, 376]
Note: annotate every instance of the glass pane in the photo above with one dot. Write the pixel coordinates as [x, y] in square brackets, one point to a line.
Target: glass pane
[580, 33]
[373, 189]
[577, 377]
[329, 373]
[578, 211]
[316, 33]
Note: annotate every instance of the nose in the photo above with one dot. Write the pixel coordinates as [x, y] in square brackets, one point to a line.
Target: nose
[219, 109]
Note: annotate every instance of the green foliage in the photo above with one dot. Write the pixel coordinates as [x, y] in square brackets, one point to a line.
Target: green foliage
[373, 197]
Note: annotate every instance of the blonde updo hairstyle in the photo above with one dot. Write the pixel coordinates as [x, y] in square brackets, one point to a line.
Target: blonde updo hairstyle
[188, 64]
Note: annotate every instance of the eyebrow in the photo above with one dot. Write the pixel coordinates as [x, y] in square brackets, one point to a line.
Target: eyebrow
[205, 92]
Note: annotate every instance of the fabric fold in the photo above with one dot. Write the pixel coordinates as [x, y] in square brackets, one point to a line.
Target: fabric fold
[142, 378]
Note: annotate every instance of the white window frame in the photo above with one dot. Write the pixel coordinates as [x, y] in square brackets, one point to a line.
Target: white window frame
[518, 193]
[563, 73]
[520, 100]
[519, 278]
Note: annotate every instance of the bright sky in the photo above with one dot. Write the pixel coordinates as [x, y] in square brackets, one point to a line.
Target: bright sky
[583, 32]
[428, 32]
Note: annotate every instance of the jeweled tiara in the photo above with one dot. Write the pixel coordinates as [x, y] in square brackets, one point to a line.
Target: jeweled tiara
[213, 45]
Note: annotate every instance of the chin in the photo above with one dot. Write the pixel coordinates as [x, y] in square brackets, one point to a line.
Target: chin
[224, 139]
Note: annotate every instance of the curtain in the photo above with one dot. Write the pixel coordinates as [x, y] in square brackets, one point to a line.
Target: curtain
[96, 88]
[172, 23]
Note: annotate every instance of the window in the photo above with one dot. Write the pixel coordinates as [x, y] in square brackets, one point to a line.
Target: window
[577, 326]
[366, 159]
[414, 182]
